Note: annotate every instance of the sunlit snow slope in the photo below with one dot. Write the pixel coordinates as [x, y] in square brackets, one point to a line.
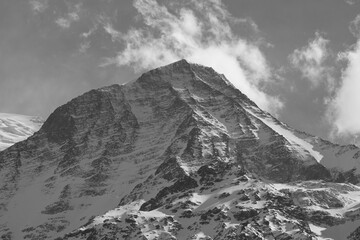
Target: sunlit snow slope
[15, 128]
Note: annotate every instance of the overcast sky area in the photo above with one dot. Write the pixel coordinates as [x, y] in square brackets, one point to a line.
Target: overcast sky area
[299, 60]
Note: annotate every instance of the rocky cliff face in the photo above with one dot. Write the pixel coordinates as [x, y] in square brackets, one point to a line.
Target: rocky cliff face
[177, 154]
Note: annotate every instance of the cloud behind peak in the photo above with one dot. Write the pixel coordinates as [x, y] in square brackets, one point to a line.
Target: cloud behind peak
[200, 31]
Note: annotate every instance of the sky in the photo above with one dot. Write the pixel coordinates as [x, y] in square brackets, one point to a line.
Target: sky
[298, 60]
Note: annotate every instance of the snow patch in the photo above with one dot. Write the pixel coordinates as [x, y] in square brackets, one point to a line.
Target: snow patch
[15, 128]
[303, 147]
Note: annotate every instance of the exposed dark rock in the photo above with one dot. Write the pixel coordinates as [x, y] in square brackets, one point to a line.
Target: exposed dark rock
[179, 186]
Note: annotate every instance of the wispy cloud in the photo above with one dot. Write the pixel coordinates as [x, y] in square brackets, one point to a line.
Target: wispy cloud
[84, 46]
[200, 31]
[89, 32]
[351, 2]
[71, 17]
[63, 22]
[105, 22]
[311, 59]
[38, 6]
[354, 26]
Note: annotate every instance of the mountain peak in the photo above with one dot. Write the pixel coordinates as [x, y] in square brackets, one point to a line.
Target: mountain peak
[182, 63]
[190, 76]
[179, 132]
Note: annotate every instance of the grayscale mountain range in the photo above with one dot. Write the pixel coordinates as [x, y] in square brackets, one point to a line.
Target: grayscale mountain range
[179, 153]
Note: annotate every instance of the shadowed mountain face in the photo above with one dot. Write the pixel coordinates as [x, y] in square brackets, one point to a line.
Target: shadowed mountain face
[162, 145]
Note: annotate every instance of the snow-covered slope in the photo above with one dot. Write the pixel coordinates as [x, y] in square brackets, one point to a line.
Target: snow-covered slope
[177, 154]
[15, 128]
[337, 158]
[237, 207]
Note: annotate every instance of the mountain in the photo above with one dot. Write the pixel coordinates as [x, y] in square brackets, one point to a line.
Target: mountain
[180, 153]
[15, 128]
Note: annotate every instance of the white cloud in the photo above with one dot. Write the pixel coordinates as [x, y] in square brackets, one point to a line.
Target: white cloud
[105, 22]
[71, 17]
[115, 35]
[84, 46]
[90, 32]
[38, 6]
[351, 2]
[63, 22]
[200, 31]
[344, 110]
[355, 27]
[311, 62]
